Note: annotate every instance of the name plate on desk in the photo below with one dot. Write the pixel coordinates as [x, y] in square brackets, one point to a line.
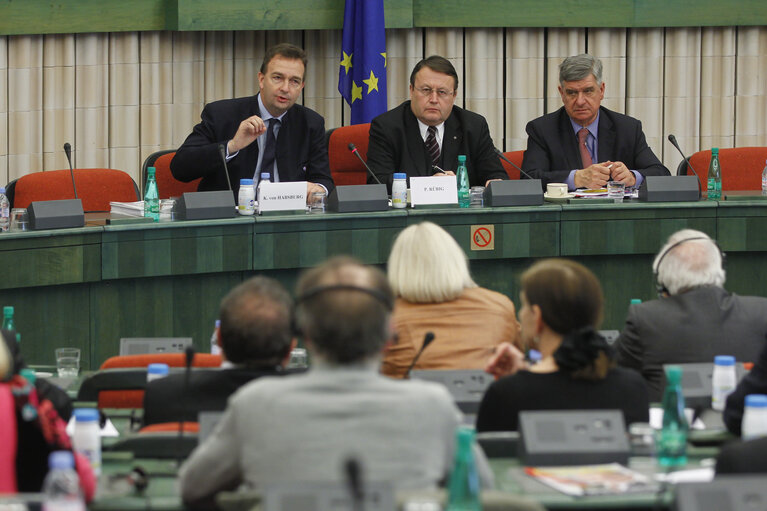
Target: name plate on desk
[282, 196]
[433, 190]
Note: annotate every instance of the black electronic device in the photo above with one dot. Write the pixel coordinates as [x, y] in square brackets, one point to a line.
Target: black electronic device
[205, 205]
[427, 339]
[56, 214]
[696, 382]
[514, 192]
[355, 198]
[723, 493]
[572, 437]
[669, 189]
[467, 386]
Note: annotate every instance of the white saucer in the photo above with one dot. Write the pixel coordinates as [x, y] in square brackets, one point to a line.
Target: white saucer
[558, 197]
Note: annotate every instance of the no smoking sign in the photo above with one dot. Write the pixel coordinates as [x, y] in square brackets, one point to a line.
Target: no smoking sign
[483, 237]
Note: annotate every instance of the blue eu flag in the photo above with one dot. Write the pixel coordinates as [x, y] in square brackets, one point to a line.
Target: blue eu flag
[362, 76]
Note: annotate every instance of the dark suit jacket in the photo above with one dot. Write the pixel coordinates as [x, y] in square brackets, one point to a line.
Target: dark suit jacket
[743, 458]
[209, 390]
[691, 327]
[755, 382]
[396, 145]
[301, 152]
[552, 146]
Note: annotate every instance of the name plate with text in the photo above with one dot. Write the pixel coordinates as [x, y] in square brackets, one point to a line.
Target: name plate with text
[282, 196]
[433, 190]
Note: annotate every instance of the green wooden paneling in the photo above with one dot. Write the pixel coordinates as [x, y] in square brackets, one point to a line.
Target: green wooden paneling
[742, 226]
[302, 241]
[631, 228]
[50, 257]
[146, 250]
[76, 16]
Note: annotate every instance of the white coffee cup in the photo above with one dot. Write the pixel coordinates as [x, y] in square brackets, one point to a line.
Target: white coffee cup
[556, 189]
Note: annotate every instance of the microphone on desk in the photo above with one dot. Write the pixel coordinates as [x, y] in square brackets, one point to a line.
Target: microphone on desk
[68, 152]
[354, 151]
[189, 358]
[501, 156]
[222, 152]
[353, 473]
[672, 139]
[427, 339]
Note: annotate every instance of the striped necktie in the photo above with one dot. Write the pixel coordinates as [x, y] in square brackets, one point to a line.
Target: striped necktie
[585, 155]
[432, 146]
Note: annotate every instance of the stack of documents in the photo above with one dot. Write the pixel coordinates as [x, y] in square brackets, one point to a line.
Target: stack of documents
[127, 208]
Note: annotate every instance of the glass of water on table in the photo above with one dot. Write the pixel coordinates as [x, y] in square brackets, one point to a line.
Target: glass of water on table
[68, 362]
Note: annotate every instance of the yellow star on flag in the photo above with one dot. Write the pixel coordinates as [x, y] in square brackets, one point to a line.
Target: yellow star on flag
[356, 92]
[347, 61]
[384, 56]
[371, 82]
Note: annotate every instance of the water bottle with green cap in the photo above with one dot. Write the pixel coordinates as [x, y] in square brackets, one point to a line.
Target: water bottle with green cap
[463, 491]
[671, 444]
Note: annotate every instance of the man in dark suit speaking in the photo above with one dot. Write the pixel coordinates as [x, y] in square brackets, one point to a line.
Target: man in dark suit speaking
[583, 144]
[267, 132]
[424, 136]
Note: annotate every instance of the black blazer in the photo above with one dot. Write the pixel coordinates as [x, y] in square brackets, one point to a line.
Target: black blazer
[743, 458]
[209, 390]
[301, 151]
[754, 382]
[396, 145]
[552, 146]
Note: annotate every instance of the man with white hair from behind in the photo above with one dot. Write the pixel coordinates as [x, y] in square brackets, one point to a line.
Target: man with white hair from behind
[695, 318]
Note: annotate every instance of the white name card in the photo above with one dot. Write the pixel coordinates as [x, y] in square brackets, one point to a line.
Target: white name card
[282, 196]
[433, 190]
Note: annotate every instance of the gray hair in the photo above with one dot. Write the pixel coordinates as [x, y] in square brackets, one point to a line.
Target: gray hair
[695, 261]
[426, 265]
[579, 67]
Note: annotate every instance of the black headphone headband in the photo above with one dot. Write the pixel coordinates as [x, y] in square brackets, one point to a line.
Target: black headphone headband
[378, 295]
[656, 271]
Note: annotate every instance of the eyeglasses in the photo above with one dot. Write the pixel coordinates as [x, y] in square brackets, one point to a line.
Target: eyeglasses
[428, 91]
[589, 92]
[277, 80]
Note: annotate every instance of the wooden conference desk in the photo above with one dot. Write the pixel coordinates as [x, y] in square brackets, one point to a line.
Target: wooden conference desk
[89, 287]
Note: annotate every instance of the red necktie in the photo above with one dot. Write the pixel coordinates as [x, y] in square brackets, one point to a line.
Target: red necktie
[585, 155]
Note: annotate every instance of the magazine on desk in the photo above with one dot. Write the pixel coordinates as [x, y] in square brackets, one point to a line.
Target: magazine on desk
[585, 480]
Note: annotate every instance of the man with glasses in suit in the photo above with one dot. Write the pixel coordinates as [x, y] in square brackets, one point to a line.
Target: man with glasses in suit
[425, 135]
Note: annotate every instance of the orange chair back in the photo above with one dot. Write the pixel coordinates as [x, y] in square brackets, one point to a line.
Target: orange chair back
[516, 158]
[167, 185]
[135, 398]
[345, 167]
[741, 167]
[95, 187]
[164, 427]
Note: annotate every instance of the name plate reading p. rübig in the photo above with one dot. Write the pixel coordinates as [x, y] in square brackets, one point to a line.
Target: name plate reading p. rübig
[433, 190]
[282, 196]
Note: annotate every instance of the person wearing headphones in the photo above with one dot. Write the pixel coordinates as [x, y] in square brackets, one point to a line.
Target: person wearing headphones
[695, 318]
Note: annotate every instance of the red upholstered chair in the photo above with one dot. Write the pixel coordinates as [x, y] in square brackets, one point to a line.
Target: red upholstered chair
[516, 157]
[167, 185]
[95, 187]
[135, 398]
[741, 167]
[345, 167]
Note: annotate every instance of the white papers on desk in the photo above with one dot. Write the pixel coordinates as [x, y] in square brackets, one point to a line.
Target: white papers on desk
[695, 475]
[109, 429]
[656, 418]
[127, 208]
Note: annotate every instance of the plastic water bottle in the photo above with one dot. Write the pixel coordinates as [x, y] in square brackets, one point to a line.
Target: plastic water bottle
[9, 326]
[754, 417]
[5, 211]
[399, 190]
[463, 491]
[723, 381]
[61, 488]
[87, 437]
[714, 176]
[462, 176]
[215, 349]
[265, 177]
[151, 196]
[246, 198]
[671, 443]
[764, 179]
